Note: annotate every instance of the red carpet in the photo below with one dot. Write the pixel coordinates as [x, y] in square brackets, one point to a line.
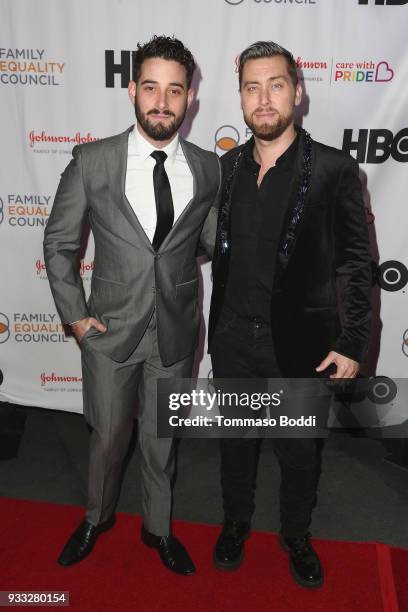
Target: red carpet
[399, 558]
[122, 574]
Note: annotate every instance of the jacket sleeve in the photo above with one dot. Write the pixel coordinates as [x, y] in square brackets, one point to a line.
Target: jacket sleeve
[353, 265]
[209, 231]
[62, 242]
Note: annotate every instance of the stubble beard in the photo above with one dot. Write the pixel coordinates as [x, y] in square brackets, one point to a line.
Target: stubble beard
[269, 131]
[159, 131]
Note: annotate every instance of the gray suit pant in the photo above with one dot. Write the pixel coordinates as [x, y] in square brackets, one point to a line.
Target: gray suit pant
[112, 391]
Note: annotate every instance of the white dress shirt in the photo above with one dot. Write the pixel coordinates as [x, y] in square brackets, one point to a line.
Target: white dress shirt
[139, 188]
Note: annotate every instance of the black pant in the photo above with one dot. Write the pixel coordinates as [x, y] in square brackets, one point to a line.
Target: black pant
[243, 348]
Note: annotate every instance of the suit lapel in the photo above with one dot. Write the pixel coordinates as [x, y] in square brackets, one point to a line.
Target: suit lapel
[195, 164]
[116, 156]
[299, 194]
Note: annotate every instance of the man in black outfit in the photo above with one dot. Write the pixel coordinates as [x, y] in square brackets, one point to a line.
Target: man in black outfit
[291, 225]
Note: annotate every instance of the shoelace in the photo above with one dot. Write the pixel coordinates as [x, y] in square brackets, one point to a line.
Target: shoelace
[300, 544]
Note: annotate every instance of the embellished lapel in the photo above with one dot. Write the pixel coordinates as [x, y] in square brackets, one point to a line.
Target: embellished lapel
[298, 196]
[299, 192]
[224, 235]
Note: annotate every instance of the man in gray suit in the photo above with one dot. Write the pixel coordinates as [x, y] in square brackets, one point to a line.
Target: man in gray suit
[151, 201]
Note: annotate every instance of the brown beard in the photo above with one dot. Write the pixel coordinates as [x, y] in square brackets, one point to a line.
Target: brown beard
[158, 131]
[266, 131]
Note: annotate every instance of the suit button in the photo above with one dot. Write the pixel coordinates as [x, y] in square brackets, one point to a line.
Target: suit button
[157, 256]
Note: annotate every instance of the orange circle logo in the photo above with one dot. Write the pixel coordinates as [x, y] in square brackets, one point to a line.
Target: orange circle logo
[226, 138]
[4, 328]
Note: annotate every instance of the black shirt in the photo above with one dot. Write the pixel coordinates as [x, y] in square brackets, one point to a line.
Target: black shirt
[257, 216]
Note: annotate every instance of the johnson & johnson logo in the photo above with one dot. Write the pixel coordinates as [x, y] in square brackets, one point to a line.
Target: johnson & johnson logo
[47, 379]
[78, 138]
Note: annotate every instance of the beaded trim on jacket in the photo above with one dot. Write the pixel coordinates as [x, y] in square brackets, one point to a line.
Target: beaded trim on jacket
[302, 191]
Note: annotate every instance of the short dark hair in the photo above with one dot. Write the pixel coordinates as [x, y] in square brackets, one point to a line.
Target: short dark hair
[268, 48]
[165, 47]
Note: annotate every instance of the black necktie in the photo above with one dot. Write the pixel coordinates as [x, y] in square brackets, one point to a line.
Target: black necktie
[164, 201]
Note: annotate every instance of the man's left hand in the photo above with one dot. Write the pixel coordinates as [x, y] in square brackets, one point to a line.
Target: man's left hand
[346, 367]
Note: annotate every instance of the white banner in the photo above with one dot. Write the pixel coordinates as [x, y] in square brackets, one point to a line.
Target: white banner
[64, 67]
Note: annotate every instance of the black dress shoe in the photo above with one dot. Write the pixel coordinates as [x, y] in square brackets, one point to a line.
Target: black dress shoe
[229, 549]
[82, 541]
[172, 552]
[305, 565]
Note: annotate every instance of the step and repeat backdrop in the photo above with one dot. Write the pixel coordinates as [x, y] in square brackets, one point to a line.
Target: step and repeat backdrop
[64, 69]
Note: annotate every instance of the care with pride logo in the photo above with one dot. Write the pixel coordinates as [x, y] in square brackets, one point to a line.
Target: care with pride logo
[363, 72]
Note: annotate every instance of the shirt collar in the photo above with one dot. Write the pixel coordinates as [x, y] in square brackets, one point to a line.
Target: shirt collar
[285, 160]
[144, 148]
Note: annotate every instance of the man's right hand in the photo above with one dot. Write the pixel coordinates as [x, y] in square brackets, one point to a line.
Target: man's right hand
[79, 328]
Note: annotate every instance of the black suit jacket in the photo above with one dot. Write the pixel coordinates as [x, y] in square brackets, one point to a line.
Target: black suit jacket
[329, 262]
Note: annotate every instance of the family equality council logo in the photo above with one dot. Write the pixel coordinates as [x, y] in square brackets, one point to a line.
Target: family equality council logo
[25, 210]
[282, 2]
[29, 67]
[31, 327]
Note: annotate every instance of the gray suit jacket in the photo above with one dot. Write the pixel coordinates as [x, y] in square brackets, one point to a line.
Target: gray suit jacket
[129, 278]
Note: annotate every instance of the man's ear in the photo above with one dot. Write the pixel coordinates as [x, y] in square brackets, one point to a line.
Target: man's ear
[298, 94]
[190, 97]
[132, 92]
